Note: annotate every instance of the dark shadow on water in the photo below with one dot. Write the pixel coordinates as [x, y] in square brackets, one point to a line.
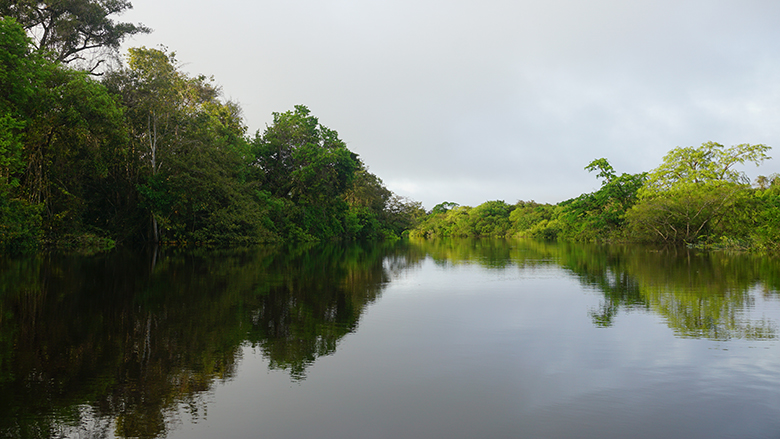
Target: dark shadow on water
[128, 336]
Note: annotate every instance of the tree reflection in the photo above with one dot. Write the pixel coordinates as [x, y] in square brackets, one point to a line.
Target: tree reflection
[705, 294]
[114, 337]
[115, 344]
[314, 299]
[699, 294]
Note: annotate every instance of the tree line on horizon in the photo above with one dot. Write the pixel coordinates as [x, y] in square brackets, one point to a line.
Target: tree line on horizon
[144, 152]
[695, 197]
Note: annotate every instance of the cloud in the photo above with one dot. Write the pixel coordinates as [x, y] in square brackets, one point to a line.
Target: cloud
[470, 101]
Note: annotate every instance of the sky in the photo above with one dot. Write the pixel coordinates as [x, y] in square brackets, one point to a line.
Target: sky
[471, 101]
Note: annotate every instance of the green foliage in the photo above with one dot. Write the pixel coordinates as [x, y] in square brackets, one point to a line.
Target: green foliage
[600, 215]
[58, 133]
[368, 200]
[489, 219]
[687, 213]
[443, 207]
[193, 179]
[18, 79]
[400, 215]
[153, 154]
[529, 218]
[764, 229]
[305, 163]
[20, 225]
[693, 195]
[711, 162]
[605, 169]
[73, 31]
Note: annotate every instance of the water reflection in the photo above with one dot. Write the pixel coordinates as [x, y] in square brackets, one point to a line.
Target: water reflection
[699, 294]
[312, 299]
[118, 344]
[117, 337]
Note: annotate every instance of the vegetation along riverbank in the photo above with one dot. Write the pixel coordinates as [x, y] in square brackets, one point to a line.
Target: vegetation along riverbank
[143, 152]
[695, 197]
[147, 153]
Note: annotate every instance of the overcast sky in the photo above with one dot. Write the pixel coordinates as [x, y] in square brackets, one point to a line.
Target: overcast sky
[470, 101]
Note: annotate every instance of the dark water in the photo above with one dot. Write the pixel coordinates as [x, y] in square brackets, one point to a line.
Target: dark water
[442, 339]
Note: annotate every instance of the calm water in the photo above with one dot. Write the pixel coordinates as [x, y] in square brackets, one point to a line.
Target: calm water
[441, 339]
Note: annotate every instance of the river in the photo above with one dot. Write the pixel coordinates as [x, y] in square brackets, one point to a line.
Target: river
[419, 339]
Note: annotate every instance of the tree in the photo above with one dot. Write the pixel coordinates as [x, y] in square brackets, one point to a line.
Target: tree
[68, 30]
[490, 218]
[192, 150]
[152, 89]
[59, 133]
[600, 214]
[686, 198]
[763, 182]
[605, 169]
[306, 165]
[402, 214]
[443, 207]
[20, 77]
[711, 162]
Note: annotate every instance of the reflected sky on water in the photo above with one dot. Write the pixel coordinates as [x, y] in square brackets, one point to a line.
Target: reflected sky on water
[450, 339]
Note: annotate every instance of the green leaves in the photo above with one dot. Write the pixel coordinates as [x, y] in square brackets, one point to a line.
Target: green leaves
[66, 31]
[605, 169]
[690, 196]
[306, 163]
[708, 163]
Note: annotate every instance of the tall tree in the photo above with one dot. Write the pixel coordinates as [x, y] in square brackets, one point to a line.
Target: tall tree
[155, 92]
[61, 134]
[21, 74]
[686, 197]
[73, 31]
[597, 215]
[305, 163]
[192, 149]
[710, 162]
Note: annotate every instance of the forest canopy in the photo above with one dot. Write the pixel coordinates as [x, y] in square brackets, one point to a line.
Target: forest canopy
[149, 153]
[145, 152]
[695, 197]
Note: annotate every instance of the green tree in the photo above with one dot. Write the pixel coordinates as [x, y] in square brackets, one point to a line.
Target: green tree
[710, 162]
[491, 218]
[192, 150]
[601, 214]
[443, 207]
[73, 31]
[306, 165]
[531, 219]
[20, 78]
[61, 131]
[402, 214]
[367, 198]
[688, 196]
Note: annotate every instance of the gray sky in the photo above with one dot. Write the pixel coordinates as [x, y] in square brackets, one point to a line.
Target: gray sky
[470, 101]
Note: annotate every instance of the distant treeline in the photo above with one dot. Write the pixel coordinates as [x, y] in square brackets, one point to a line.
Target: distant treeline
[694, 197]
[148, 153]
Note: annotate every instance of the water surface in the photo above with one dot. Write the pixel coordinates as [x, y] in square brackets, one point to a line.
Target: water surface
[425, 339]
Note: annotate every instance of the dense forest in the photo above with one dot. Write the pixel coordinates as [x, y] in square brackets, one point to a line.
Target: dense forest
[144, 152]
[95, 151]
[695, 197]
